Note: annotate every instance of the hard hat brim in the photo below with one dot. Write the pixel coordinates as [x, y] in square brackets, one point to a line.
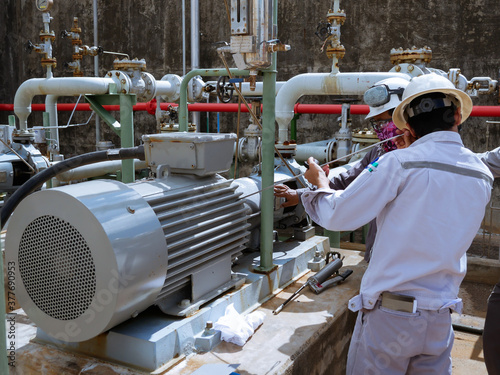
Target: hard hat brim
[465, 100]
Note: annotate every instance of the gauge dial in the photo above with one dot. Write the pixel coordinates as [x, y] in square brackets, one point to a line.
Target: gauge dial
[44, 5]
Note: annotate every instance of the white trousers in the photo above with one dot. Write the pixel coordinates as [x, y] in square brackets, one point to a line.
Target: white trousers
[388, 342]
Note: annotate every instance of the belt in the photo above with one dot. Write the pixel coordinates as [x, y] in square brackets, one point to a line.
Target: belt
[398, 302]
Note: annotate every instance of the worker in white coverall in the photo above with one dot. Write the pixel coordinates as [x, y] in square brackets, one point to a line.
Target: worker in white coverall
[491, 334]
[382, 98]
[428, 200]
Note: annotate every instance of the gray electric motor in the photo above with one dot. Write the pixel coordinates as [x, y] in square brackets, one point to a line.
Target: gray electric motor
[92, 255]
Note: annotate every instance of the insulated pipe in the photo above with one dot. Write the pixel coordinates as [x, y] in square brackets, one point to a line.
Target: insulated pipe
[68, 86]
[321, 84]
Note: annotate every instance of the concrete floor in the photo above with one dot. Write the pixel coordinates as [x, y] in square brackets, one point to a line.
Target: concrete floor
[307, 337]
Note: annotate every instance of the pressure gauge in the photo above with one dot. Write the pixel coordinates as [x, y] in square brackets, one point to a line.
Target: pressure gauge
[44, 5]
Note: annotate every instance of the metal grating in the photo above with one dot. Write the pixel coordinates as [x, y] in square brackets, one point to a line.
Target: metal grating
[57, 267]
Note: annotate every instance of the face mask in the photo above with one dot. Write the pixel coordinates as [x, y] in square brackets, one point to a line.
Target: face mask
[386, 132]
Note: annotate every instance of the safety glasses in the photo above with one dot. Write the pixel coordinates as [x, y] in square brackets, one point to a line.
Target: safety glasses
[379, 95]
[379, 125]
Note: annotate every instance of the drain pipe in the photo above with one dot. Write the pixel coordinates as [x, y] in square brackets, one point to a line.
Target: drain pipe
[67, 86]
[321, 84]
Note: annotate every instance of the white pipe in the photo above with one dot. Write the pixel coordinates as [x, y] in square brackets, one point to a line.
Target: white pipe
[96, 71]
[67, 86]
[165, 88]
[321, 84]
[195, 49]
[51, 108]
[183, 37]
[97, 169]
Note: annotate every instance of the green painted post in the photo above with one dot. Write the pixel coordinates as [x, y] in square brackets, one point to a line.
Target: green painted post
[127, 134]
[12, 120]
[183, 111]
[267, 147]
[334, 238]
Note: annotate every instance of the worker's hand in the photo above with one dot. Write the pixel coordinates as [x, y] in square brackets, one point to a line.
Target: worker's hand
[404, 141]
[315, 175]
[291, 195]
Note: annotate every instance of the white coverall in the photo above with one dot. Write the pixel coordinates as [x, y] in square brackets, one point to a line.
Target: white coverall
[429, 201]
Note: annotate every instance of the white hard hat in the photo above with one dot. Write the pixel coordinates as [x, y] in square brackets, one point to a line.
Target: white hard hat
[429, 83]
[385, 95]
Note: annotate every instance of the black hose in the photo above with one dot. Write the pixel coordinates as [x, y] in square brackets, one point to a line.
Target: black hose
[39, 179]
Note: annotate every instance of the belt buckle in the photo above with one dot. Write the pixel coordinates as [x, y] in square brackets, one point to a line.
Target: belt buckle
[399, 302]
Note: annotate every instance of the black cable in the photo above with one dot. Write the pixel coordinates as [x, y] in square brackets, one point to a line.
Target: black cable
[39, 179]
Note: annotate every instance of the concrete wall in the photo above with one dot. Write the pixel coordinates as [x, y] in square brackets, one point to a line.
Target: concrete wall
[462, 34]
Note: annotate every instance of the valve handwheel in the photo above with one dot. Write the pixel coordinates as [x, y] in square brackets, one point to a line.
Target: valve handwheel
[225, 89]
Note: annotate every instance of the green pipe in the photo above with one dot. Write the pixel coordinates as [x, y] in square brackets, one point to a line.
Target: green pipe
[12, 120]
[127, 134]
[293, 127]
[267, 147]
[183, 110]
[334, 238]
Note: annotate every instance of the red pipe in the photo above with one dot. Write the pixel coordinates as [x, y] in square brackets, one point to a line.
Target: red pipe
[150, 107]
[329, 109]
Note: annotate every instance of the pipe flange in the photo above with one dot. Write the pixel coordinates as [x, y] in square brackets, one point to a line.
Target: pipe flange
[365, 136]
[338, 51]
[410, 69]
[339, 16]
[127, 64]
[414, 55]
[196, 90]
[175, 81]
[122, 81]
[148, 92]
[287, 149]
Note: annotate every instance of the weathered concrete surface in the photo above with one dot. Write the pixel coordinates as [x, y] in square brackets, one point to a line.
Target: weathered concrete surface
[467, 354]
[482, 270]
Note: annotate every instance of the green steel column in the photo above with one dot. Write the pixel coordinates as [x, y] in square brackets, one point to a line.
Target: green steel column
[3, 334]
[183, 119]
[127, 134]
[267, 147]
[334, 238]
